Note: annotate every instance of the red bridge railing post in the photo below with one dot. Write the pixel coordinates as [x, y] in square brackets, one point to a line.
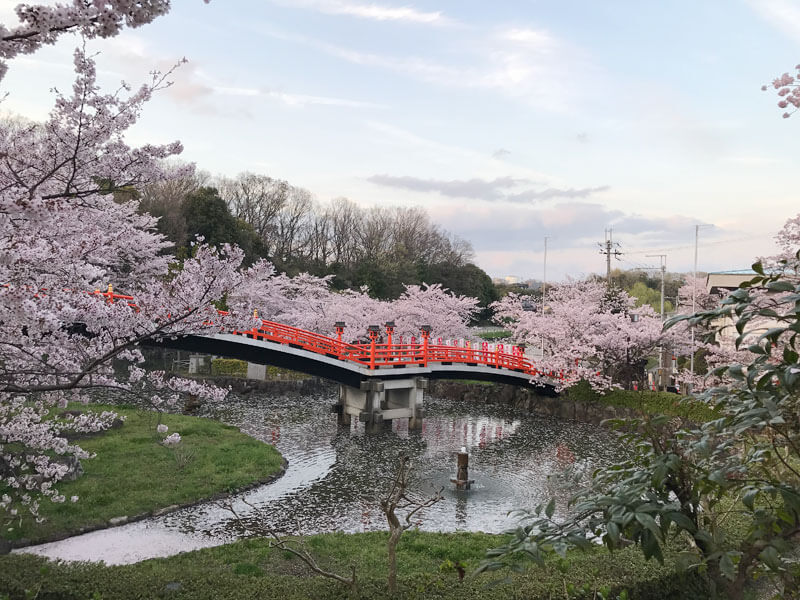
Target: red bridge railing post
[339, 327]
[389, 331]
[374, 332]
[425, 332]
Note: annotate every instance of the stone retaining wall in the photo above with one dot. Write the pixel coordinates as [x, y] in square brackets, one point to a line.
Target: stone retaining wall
[527, 399]
[308, 385]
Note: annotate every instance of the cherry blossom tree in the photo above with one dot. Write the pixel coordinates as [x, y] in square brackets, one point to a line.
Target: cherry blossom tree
[448, 314]
[788, 242]
[788, 89]
[586, 334]
[41, 24]
[65, 235]
[721, 344]
[70, 229]
[309, 303]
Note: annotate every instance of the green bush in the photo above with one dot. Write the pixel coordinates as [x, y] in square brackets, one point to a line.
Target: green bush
[652, 403]
[229, 366]
[495, 335]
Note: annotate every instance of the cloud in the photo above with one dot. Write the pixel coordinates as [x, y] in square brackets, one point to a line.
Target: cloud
[194, 87]
[549, 193]
[568, 224]
[470, 188]
[500, 153]
[299, 100]
[582, 137]
[495, 190]
[531, 65]
[375, 12]
[783, 15]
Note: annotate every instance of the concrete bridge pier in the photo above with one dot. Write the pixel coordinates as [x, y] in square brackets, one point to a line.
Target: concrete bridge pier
[376, 403]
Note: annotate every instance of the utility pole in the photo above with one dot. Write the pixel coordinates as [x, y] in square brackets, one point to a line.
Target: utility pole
[544, 277]
[544, 286]
[663, 260]
[694, 295]
[609, 248]
[694, 290]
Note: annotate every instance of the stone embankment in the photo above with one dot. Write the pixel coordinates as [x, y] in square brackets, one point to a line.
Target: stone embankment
[528, 400]
[243, 386]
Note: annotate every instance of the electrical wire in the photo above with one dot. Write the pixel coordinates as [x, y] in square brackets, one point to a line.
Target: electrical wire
[704, 245]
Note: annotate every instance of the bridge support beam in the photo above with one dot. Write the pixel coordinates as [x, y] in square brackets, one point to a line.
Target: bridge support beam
[378, 402]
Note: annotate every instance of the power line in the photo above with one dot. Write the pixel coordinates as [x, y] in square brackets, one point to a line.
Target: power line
[691, 246]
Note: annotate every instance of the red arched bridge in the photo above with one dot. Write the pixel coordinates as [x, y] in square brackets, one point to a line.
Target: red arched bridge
[384, 356]
[381, 379]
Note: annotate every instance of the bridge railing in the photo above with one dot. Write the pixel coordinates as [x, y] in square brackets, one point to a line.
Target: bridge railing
[372, 354]
[376, 355]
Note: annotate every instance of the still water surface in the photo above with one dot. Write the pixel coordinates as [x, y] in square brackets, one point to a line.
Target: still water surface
[335, 475]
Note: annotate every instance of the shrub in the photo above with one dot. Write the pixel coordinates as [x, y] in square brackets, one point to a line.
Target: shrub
[229, 366]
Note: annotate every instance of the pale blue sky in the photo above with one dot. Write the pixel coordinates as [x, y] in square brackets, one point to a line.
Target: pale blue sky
[508, 121]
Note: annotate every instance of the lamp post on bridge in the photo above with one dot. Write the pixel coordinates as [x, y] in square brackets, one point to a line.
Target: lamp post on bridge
[339, 327]
[389, 331]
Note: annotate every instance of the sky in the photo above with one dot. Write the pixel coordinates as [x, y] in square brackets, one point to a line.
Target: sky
[508, 121]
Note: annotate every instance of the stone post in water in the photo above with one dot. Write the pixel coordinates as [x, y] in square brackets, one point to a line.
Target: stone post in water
[462, 480]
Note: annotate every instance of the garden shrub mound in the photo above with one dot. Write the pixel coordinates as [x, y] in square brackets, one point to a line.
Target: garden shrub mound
[134, 474]
[427, 569]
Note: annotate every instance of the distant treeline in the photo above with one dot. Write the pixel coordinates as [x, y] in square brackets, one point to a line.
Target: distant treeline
[382, 248]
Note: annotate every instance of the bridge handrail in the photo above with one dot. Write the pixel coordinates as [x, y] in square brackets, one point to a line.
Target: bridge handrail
[372, 354]
[381, 355]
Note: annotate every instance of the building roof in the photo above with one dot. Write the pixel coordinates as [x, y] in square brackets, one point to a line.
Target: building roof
[726, 281]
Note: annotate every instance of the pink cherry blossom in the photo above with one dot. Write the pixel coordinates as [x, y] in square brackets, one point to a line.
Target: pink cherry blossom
[41, 24]
[583, 335]
[172, 439]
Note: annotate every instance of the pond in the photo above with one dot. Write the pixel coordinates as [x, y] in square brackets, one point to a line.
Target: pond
[336, 474]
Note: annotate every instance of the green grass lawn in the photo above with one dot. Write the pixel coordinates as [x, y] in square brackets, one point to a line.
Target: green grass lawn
[133, 473]
[251, 569]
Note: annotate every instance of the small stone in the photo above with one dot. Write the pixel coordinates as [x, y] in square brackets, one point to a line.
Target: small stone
[118, 521]
[173, 586]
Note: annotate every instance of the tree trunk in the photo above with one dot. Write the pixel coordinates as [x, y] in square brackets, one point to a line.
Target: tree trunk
[394, 537]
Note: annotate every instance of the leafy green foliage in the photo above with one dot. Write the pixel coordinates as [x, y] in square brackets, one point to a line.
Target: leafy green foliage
[229, 366]
[495, 335]
[646, 295]
[647, 402]
[729, 488]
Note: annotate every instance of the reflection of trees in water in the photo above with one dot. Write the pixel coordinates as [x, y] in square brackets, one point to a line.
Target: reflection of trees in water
[511, 456]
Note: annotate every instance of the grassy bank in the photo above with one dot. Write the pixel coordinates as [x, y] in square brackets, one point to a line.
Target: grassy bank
[653, 403]
[251, 569]
[134, 474]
